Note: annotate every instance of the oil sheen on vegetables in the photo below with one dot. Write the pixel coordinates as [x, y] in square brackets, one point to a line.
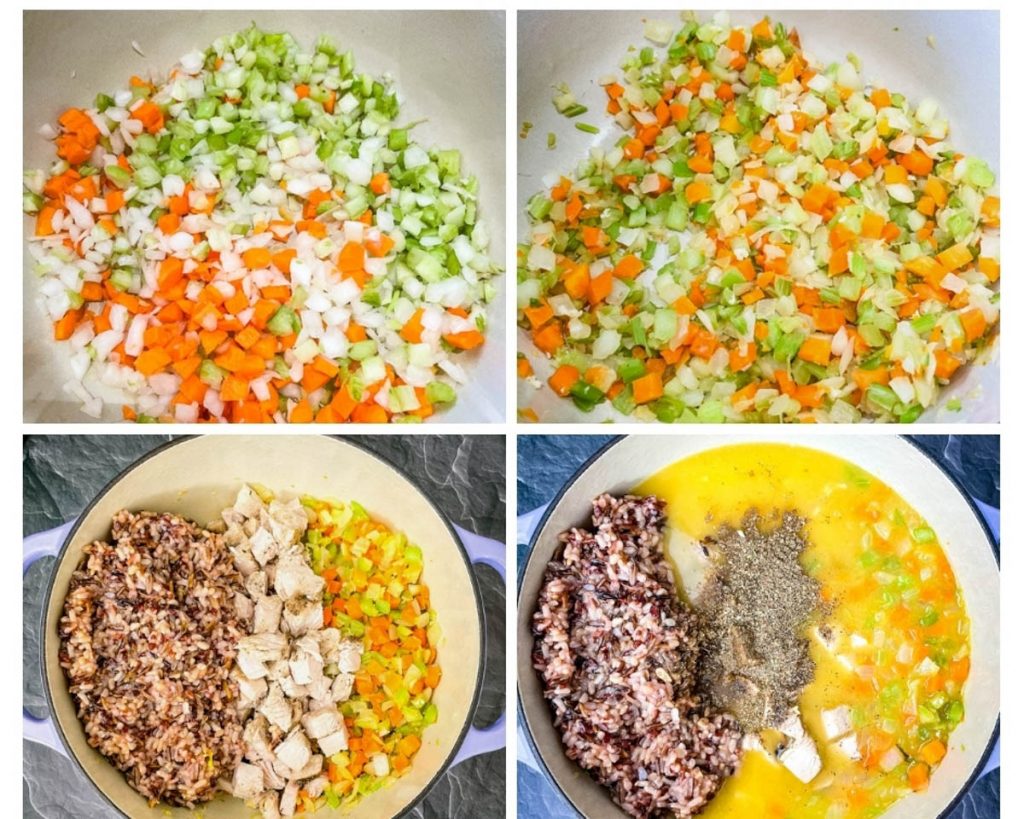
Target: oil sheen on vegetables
[899, 651]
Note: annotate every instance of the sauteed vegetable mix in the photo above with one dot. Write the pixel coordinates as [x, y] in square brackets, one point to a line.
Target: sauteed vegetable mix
[257, 237]
[769, 240]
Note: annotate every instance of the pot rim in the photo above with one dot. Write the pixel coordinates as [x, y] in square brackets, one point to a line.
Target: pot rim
[585, 466]
[477, 597]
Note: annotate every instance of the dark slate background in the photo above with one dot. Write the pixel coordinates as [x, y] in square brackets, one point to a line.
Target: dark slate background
[463, 475]
[547, 462]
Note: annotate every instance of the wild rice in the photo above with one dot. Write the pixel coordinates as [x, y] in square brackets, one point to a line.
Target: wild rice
[617, 650]
[148, 637]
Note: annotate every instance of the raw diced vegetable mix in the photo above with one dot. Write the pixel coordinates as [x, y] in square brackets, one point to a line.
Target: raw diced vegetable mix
[769, 240]
[255, 238]
[374, 592]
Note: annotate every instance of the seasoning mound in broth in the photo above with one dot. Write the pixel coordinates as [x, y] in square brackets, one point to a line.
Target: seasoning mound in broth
[754, 609]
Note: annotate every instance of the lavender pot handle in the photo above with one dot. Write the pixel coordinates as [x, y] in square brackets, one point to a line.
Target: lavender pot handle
[492, 738]
[34, 547]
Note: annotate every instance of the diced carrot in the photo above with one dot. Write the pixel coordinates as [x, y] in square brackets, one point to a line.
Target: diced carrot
[973, 322]
[549, 338]
[466, 340]
[352, 258]
[918, 776]
[65, 325]
[990, 211]
[600, 287]
[955, 256]
[150, 115]
[539, 316]
[413, 328]
[380, 183]
[647, 388]
[684, 306]
[990, 267]
[563, 379]
[932, 752]
[697, 192]
[256, 258]
[234, 388]
[817, 197]
[816, 350]
[742, 356]
[629, 266]
[282, 259]
[302, 91]
[917, 162]
[370, 414]
[574, 208]
[150, 362]
[871, 225]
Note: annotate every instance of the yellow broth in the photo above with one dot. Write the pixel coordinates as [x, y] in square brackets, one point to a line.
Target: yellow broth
[902, 650]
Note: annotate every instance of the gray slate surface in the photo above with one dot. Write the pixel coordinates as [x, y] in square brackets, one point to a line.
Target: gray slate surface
[547, 462]
[464, 475]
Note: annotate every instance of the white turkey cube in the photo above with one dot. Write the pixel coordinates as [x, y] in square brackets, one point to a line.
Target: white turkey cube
[350, 654]
[322, 723]
[267, 618]
[891, 759]
[289, 798]
[247, 782]
[251, 691]
[837, 721]
[801, 758]
[332, 743]
[341, 688]
[264, 546]
[848, 747]
[294, 751]
[301, 616]
[248, 502]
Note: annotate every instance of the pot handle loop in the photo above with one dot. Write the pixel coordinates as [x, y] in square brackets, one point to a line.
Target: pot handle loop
[527, 523]
[492, 738]
[34, 547]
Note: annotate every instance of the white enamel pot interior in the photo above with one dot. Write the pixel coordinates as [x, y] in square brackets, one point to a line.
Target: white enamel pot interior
[197, 478]
[449, 68]
[961, 72]
[896, 461]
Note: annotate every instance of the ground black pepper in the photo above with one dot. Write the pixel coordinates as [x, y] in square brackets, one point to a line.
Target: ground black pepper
[754, 611]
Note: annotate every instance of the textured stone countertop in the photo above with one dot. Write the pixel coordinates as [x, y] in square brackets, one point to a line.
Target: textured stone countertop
[464, 475]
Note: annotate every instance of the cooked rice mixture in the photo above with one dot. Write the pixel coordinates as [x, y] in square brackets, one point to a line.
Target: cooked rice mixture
[617, 652]
[148, 638]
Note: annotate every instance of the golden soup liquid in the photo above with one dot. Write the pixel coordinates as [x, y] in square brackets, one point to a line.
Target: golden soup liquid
[902, 635]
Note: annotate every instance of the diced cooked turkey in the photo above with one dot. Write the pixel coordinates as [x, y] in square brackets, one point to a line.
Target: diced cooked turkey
[315, 787]
[243, 607]
[247, 782]
[256, 739]
[321, 723]
[267, 617]
[295, 579]
[290, 701]
[247, 502]
[341, 688]
[332, 743]
[289, 798]
[264, 546]
[837, 721]
[330, 642]
[251, 691]
[294, 751]
[312, 768]
[256, 584]
[302, 616]
[288, 520]
[350, 655]
[276, 708]
[305, 667]
[273, 779]
[848, 746]
[244, 561]
[800, 756]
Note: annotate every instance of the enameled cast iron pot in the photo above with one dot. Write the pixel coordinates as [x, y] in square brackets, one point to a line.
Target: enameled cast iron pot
[197, 478]
[923, 483]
